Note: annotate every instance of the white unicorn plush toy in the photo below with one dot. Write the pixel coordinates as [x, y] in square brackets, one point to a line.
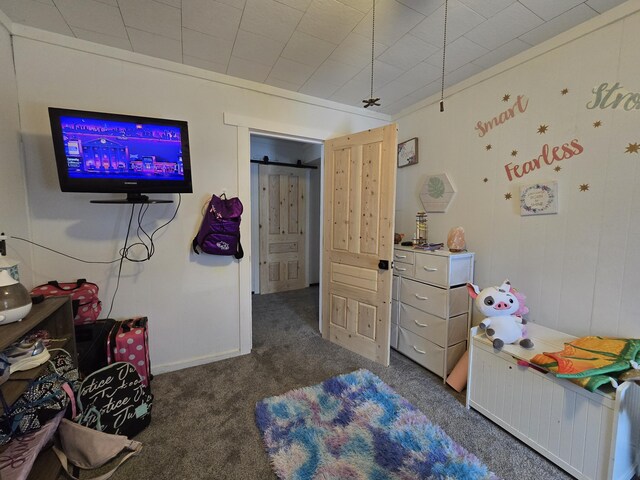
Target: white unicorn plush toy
[500, 305]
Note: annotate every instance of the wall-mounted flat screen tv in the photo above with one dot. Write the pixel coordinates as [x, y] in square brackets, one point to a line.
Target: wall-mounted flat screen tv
[100, 152]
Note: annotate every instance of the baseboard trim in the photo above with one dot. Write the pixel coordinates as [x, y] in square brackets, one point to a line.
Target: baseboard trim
[194, 362]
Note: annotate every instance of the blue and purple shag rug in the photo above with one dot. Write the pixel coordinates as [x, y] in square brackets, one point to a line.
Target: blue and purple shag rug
[355, 427]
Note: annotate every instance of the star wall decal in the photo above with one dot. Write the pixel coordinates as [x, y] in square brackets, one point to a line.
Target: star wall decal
[558, 168]
[597, 124]
[514, 153]
[543, 129]
[564, 91]
[584, 187]
[488, 147]
[507, 196]
[506, 97]
[633, 148]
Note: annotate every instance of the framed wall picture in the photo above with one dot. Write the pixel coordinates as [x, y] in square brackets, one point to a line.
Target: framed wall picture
[408, 152]
[539, 199]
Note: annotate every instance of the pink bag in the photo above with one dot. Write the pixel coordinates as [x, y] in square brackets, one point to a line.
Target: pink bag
[84, 297]
[129, 342]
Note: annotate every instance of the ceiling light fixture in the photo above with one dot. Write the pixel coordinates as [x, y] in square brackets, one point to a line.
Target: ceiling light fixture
[444, 53]
[372, 101]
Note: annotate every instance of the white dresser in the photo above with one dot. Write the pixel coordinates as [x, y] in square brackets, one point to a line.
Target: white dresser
[591, 435]
[431, 309]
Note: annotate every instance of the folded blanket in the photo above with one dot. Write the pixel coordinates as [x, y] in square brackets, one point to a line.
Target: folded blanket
[591, 361]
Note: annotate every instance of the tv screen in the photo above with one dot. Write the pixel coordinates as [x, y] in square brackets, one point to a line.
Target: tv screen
[111, 153]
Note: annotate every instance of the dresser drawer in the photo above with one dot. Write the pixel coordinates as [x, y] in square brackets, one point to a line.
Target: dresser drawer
[433, 328]
[403, 256]
[395, 286]
[434, 300]
[432, 269]
[428, 354]
[403, 269]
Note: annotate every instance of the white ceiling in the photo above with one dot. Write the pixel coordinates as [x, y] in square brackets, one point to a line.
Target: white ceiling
[319, 47]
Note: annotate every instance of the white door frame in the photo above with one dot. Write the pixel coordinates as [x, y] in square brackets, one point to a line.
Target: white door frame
[245, 127]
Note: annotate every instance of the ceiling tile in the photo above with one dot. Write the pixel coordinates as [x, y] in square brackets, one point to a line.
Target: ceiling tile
[92, 15]
[35, 14]
[356, 50]
[559, 24]
[508, 24]
[382, 74]
[460, 19]
[460, 74]
[118, 42]
[171, 3]
[407, 52]
[362, 5]
[487, 8]
[353, 92]
[329, 20]
[256, 48]
[276, 82]
[425, 7]
[549, 9]
[270, 19]
[318, 89]
[301, 5]
[335, 73]
[155, 45]
[393, 91]
[458, 53]
[393, 20]
[233, 3]
[420, 75]
[200, 63]
[603, 5]
[306, 49]
[502, 53]
[239, 67]
[291, 71]
[152, 17]
[205, 47]
[211, 17]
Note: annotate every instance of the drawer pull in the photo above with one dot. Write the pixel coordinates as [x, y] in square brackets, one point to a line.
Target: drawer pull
[421, 324]
[400, 256]
[420, 297]
[430, 269]
[419, 351]
[400, 269]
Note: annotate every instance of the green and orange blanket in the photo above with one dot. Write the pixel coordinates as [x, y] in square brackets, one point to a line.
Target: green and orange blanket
[592, 361]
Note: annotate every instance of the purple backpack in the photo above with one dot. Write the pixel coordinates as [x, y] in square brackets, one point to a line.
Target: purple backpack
[219, 233]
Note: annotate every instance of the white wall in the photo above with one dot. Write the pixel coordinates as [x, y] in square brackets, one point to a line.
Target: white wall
[580, 269]
[13, 207]
[192, 302]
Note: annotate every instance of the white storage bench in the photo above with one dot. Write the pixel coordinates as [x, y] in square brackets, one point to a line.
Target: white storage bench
[591, 435]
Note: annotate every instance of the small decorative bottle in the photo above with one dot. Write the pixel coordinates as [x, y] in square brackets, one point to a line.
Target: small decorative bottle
[421, 228]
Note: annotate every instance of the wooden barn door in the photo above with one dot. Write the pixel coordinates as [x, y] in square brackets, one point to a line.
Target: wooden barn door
[282, 228]
[359, 203]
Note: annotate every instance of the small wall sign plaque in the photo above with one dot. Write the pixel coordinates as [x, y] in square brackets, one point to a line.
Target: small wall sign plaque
[539, 199]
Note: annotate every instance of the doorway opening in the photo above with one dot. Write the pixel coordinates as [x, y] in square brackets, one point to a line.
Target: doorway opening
[286, 214]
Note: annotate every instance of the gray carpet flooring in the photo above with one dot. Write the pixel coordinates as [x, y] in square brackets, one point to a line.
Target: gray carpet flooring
[203, 417]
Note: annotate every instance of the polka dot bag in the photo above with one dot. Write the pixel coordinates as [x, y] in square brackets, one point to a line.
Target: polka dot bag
[129, 342]
[84, 298]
